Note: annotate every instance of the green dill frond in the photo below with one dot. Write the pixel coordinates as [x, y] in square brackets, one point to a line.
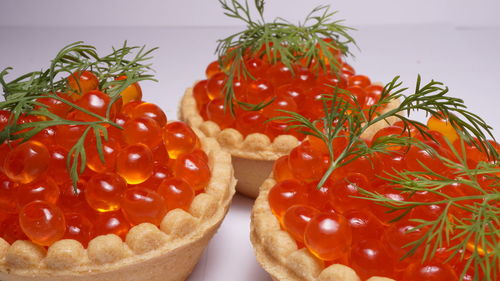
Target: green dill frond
[21, 94]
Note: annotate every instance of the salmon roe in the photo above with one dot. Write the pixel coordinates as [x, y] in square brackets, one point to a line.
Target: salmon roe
[276, 88]
[337, 227]
[134, 173]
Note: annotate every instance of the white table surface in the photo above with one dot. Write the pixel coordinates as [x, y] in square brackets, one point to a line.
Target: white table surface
[467, 60]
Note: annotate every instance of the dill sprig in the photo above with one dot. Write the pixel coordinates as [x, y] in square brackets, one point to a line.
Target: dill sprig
[344, 118]
[22, 94]
[312, 42]
[476, 232]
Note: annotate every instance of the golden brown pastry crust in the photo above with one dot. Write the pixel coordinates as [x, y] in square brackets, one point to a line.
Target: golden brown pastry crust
[254, 154]
[149, 253]
[278, 254]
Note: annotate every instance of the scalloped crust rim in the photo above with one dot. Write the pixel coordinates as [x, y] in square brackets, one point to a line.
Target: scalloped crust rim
[279, 255]
[149, 253]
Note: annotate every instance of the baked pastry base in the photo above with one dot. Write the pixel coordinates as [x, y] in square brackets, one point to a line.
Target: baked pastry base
[254, 154]
[278, 254]
[167, 253]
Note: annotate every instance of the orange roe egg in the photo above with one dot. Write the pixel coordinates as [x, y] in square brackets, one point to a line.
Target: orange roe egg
[363, 224]
[281, 169]
[129, 107]
[280, 103]
[389, 131]
[150, 110]
[218, 113]
[46, 136]
[193, 170]
[373, 94]
[328, 237]
[78, 227]
[259, 91]
[160, 154]
[58, 170]
[143, 205]
[26, 162]
[68, 135]
[212, 69]
[296, 219]
[28, 119]
[318, 197]
[135, 163]
[142, 130]
[250, 122]
[331, 81]
[359, 80]
[284, 195]
[306, 163]
[313, 105]
[215, 86]
[318, 144]
[4, 119]
[255, 67]
[11, 231]
[200, 94]
[240, 90]
[346, 68]
[103, 192]
[111, 223]
[303, 78]
[343, 191]
[179, 139]
[177, 193]
[200, 154]
[274, 129]
[399, 234]
[132, 93]
[381, 212]
[443, 126]
[120, 120]
[96, 102]
[369, 258]
[72, 199]
[5, 148]
[44, 189]
[42, 222]
[161, 172]
[279, 74]
[429, 271]
[54, 105]
[8, 191]
[291, 91]
[109, 149]
[82, 82]
[418, 159]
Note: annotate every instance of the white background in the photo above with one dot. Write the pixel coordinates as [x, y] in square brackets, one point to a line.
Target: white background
[208, 12]
[453, 41]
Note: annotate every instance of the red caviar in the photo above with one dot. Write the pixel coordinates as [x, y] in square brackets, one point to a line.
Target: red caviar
[134, 173]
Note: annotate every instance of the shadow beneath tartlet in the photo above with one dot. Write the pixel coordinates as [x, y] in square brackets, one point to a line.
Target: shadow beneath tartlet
[230, 256]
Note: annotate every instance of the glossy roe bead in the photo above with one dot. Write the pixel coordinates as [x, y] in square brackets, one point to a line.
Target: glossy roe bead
[42, 222]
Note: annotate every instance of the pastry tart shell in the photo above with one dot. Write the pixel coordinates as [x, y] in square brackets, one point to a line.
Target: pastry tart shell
[149, 253]
[254, 155]
[278, 254]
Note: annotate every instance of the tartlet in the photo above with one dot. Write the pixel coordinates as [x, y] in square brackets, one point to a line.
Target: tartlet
[253, 156]
[148, 253]
[263, 75]
[386, 214]
[95, 183]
